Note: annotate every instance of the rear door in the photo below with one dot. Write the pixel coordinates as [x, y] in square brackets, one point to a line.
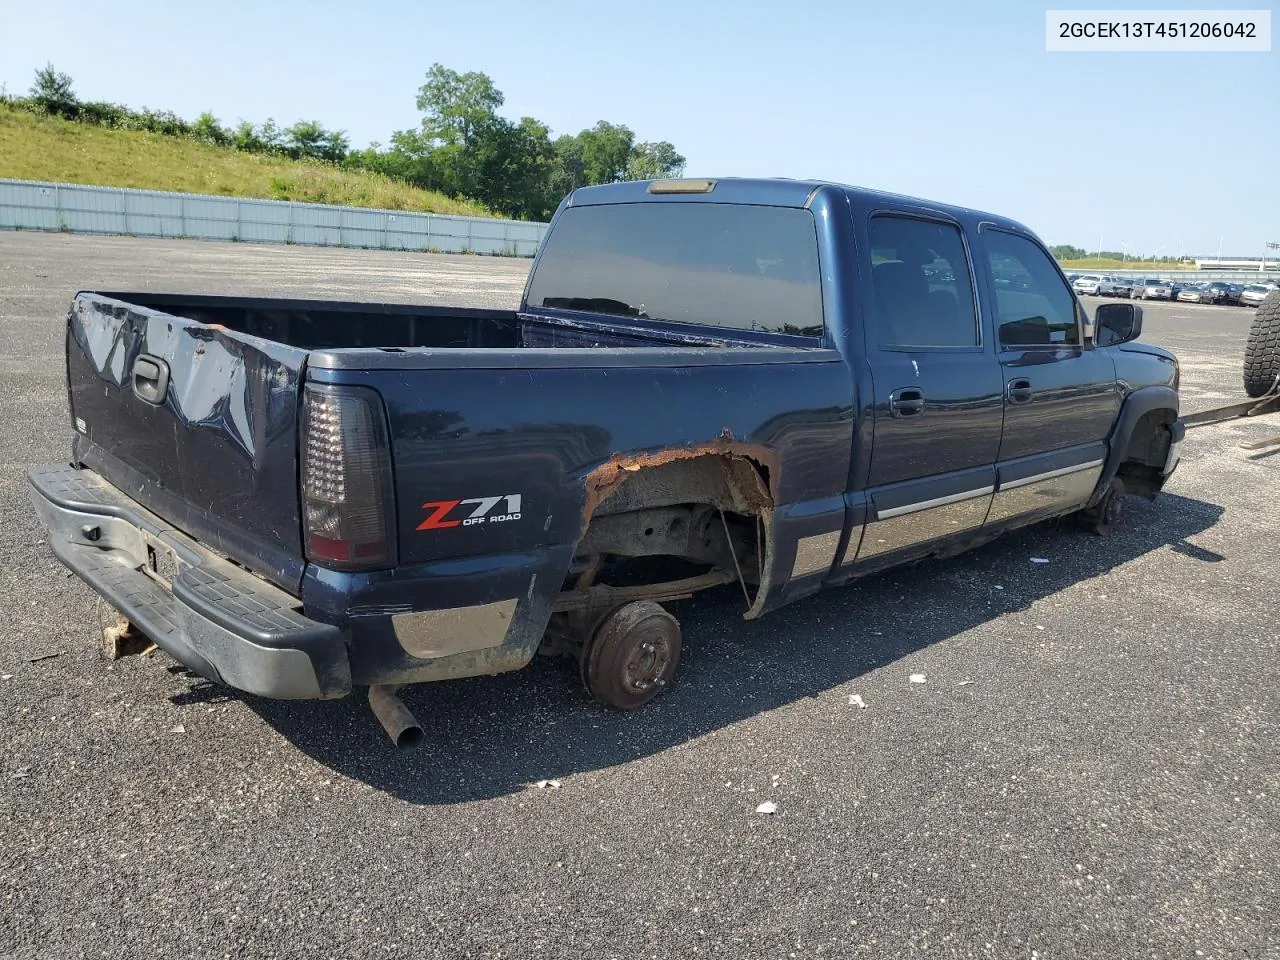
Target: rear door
[195, 422]
[1060, 393]
[937, 389]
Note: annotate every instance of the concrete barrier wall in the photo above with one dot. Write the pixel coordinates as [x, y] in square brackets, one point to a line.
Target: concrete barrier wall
[72, 208]
[30, 205]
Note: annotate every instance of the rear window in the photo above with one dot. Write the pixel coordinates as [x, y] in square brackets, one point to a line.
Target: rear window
[723, 265]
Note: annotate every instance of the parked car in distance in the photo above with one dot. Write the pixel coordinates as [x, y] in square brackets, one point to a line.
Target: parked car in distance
[1093, 285]
[1196, 293]
[1253, 294]
[1220, 291]
[1236, 290]
[1149, 289]
[1122, 286]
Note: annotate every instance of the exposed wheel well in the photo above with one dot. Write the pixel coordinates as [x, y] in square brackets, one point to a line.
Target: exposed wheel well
[663, 526]
[1145, 455]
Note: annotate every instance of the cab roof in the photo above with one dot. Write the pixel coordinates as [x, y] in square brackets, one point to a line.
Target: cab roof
[774, 192]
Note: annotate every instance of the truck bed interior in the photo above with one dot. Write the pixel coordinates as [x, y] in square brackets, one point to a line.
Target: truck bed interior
[337, 325]
[334, 325]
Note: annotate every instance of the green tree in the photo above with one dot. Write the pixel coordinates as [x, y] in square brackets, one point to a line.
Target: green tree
[457, 106]
[600, 154]
[335, 146]
[309, 138]
[112, 115]
[570, 170]
[606, 150]
[304, 138]
[410, 159]
[462, 147]
[245, 137]
[207, 128]
[455, 138]
[52, 91]
[1065, 251]
[654, 161]
[514, 163]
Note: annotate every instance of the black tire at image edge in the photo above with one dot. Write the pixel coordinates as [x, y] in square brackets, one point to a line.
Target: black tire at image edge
[1262, 351]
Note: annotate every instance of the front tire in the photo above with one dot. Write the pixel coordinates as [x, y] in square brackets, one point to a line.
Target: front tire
[1105, 516]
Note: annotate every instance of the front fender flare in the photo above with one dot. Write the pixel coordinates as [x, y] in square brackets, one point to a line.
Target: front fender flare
[1137, 405]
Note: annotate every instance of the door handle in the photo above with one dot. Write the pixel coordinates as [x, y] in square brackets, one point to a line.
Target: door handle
[1019, 390]
[907, 402]
[150, 378]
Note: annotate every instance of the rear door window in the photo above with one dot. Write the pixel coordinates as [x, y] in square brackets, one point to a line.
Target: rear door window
[922, 284]
[722, 265]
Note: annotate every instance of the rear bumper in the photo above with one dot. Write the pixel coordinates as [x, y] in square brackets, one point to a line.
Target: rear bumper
[216, 618]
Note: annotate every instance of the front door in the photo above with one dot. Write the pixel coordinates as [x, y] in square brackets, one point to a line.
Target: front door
[938, 404]
[1060, 392]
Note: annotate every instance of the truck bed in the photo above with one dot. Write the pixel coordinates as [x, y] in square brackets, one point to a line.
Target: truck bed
[343, 325]
[215, 450]
[330, 325]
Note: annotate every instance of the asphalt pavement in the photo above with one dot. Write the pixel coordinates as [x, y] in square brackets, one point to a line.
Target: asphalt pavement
[1090, 769]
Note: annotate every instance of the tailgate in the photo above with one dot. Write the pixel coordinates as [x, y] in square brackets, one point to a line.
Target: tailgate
[196, 422]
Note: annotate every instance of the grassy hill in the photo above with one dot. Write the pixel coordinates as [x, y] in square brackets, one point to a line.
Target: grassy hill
[49, 148]
[1105, 263]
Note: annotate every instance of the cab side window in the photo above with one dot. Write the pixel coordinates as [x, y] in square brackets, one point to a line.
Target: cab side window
[1034, 306]
[923, 294]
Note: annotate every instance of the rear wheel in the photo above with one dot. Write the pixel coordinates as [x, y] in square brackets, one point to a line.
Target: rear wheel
[1262, 352]
[632, 655]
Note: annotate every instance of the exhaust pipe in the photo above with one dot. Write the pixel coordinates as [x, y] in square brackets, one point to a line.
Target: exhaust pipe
[401, 725]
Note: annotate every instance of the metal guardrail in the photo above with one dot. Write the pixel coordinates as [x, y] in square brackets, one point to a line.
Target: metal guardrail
[72, 208]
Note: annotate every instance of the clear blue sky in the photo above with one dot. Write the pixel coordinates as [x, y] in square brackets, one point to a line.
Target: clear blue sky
[957, 102]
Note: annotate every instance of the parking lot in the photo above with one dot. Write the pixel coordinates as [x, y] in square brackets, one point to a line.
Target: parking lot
[1090, 769]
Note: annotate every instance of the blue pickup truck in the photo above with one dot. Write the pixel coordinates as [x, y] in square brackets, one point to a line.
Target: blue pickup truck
[770, 385]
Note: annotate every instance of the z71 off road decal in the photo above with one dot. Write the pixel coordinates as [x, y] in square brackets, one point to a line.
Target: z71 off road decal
[446, 513]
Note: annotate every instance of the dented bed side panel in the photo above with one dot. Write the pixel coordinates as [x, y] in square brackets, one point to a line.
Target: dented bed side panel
[498, 472]
[214, 449]
[491, 461]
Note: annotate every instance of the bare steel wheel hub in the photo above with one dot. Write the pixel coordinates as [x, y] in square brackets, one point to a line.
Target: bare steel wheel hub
[1113, 509]
[1106, 516]
[632, 655]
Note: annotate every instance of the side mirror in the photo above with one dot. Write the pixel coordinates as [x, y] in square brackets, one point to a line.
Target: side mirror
[1117, 323]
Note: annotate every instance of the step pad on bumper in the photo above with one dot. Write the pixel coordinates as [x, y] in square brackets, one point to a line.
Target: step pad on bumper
[215, 617]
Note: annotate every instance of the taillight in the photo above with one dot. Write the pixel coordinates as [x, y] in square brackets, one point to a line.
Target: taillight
[348, 505]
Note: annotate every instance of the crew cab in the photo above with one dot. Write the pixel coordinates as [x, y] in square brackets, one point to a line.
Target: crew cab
[770, 385]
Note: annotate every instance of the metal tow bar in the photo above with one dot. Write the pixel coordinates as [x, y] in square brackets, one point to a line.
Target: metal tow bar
[1255, 407]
